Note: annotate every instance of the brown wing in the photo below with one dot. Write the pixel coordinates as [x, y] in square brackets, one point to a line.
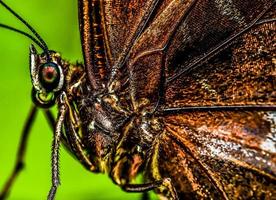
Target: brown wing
[108, 31]
[218, 155]
[186, 32]
[244, 74]
[147, 35]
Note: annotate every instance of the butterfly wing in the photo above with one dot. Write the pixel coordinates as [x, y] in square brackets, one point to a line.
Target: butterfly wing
[243, 74]
[144, 38]
[222, 154]
[108, 31]
[179, 38]
[217, 155]
[207, 154]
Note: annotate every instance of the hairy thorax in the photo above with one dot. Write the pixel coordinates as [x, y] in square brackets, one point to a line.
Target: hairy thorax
[116, 138]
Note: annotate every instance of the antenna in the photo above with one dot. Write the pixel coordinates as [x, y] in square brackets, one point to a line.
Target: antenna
[39, 41]
[23, 33]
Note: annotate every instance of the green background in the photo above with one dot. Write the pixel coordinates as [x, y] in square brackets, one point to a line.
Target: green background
[56, 21]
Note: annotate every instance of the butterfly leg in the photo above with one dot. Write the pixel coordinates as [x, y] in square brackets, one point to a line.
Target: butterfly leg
[145, 196]
[19, 164]
[72, 142]
[52, 121]
[164, 183]
[56, 147]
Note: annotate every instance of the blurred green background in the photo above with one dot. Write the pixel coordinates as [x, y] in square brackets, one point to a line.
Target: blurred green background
[56, 21]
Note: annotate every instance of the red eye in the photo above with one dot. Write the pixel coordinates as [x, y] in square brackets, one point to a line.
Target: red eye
[49, 76]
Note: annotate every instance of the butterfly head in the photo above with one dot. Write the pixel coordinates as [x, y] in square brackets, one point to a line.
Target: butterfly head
[47, 77]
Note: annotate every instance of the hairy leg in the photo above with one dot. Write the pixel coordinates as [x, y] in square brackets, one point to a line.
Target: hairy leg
[19, 164]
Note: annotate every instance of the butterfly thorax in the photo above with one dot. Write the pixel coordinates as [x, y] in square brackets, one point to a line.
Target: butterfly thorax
[114, 138]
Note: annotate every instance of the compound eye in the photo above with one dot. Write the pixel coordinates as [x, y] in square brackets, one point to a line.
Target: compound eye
[49, 76]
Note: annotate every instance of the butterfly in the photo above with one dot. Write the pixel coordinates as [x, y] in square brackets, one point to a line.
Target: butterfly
[182, 92]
